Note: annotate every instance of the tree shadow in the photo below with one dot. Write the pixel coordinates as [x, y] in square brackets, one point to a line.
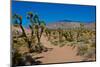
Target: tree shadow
[39, 48]
[26, 60]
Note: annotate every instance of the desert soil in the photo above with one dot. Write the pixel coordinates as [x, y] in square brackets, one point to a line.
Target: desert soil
[57, 54]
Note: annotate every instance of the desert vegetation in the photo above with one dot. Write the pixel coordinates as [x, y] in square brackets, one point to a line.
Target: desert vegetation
[26, 45]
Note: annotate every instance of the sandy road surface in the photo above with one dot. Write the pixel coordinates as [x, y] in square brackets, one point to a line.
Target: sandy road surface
[57, 54]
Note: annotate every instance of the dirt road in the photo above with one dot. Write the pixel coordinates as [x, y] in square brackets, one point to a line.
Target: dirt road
[57, 54]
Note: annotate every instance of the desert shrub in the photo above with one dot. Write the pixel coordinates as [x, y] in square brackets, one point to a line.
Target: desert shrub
[38, 48]
[93, 45]
[68, 35]
[15, 57]
[61, 41]
[54, 33]
[25, 59]
[19, 42]
[89, 54]
[55, 43]
[82, 49]
[63, 44]
[87, 51]
[55, 37]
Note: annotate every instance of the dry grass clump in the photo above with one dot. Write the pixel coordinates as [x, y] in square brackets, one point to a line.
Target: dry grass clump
[87, 51]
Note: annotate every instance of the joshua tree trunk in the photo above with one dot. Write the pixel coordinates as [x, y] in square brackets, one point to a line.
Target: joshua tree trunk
[23, 31]
[71, 36]
[77, 36]
[60, 35]
[41, 32]
[38, 38]
[38, 35]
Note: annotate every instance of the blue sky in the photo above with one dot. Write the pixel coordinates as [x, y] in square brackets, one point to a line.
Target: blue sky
[55, 12]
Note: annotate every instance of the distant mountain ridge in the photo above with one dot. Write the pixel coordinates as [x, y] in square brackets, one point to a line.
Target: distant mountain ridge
[65, 20]
[66, 24]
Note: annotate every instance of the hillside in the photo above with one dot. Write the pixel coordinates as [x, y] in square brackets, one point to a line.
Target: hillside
[69, 24]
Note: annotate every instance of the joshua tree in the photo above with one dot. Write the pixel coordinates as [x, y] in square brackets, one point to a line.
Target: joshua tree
[70, 32]
[80, 31]
[60, 34]
[48, 33]
[81, 26]
[65, 34]
[18, 20]
[68, 35]
[37, 26]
